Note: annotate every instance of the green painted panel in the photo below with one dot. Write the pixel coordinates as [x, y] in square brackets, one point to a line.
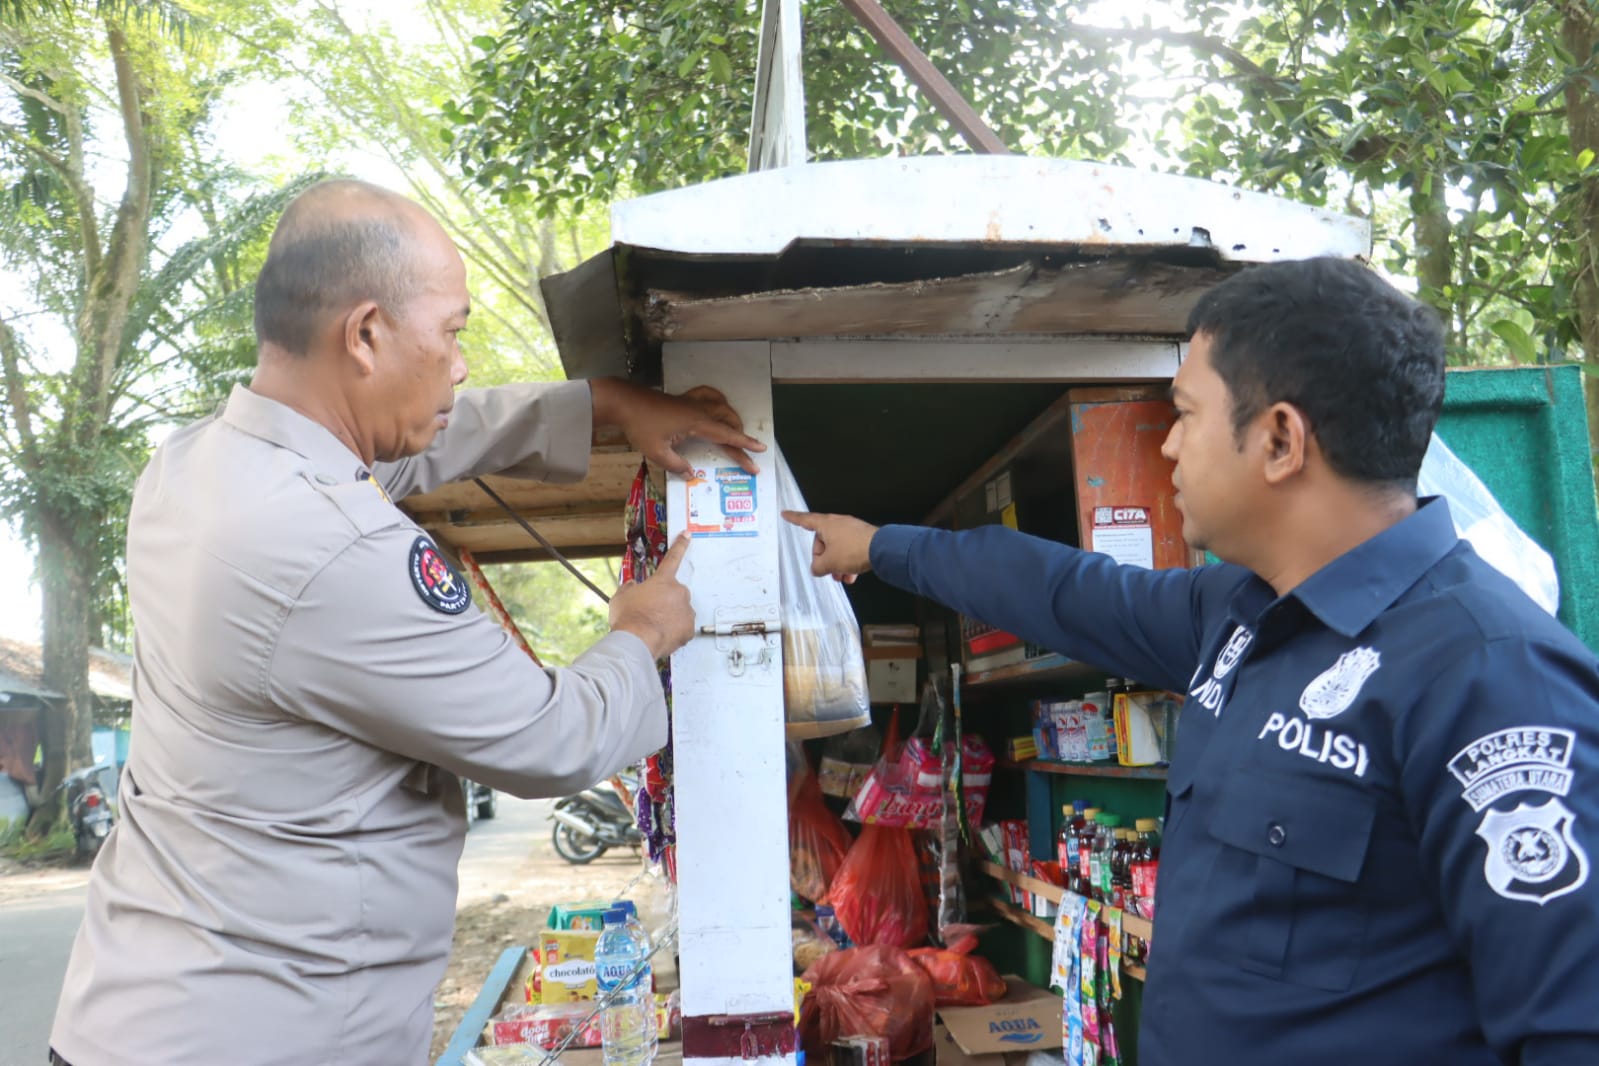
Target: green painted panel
[1525, 432]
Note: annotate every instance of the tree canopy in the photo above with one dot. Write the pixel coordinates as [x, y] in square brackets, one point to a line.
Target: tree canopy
[1465, 130]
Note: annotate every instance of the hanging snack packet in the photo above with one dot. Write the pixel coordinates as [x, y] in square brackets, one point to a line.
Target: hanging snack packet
[1113, 940]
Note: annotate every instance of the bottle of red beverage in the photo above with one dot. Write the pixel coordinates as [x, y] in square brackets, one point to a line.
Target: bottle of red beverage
[1085, 846]
[1121, 878]
[1064, 854]
[1144, 866]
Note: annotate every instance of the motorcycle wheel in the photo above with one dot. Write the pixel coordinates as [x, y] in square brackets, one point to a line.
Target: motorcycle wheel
[88, 845]
[574, 847]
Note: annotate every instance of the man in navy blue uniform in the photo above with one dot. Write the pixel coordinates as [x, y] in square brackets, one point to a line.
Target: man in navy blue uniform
[1384, 801]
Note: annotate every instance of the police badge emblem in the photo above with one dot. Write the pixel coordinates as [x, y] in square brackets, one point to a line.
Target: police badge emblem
[440, 587]
[1531, 852]
[1335, 690]
[1232, 652]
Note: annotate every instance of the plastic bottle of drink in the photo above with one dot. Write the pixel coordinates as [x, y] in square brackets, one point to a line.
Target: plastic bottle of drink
[627, 1021]
[1144, 865]
[1121, 868]
[1104, 845]
[1084, 847]
[1063, 850]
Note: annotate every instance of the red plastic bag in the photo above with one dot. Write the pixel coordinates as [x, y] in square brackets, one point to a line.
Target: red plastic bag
[877, 893]
[817, 840]
[960, 979]
[871, 991]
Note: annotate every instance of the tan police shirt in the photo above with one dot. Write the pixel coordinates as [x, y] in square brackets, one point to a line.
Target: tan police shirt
[280, 890]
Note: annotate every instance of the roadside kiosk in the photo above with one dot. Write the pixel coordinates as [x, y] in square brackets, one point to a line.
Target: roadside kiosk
[939, 341]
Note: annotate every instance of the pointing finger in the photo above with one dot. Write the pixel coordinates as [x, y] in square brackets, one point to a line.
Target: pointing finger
[804, 519]
[673, 558]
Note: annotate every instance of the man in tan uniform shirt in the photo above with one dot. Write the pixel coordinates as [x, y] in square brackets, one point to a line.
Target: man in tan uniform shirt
[311, 677]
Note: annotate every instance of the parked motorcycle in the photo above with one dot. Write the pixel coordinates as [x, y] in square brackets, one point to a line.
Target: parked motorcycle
[91, 811]
[594, 821]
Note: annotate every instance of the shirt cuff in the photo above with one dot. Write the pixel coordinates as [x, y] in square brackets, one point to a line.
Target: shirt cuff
[891, 553]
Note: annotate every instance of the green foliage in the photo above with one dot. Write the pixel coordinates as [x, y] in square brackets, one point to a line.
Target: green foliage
[1446, 123]
[366, 78]
[578, 102]
[130, 315]
[558, 616]
[1442, 108]
[18, 845]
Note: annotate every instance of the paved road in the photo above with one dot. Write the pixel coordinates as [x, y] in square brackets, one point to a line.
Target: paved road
[497, 850]
[39, 914]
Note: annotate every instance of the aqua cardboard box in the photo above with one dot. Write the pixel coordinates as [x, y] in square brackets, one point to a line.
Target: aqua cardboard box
[1027, 1019]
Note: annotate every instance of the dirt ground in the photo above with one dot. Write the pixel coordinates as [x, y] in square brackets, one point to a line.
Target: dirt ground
[510, 878]
[510, 909]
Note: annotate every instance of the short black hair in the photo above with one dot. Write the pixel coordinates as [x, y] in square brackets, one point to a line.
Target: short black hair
[1363, 361]
[323, 260]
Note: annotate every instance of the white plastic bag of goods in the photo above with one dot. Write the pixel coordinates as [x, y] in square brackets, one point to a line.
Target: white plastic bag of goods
[1480, 520]
[824, 672]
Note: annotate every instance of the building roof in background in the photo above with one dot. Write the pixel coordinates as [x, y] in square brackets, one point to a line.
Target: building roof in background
[22, 671]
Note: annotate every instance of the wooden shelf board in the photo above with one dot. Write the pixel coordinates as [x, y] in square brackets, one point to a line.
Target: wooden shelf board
[1016, 916]
[1032, 671]
[1053, 893]
[1053, 416]
[1089, 769]
[1142, 928]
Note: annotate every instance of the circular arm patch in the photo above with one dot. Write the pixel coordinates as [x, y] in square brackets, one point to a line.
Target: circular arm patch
[440, 587]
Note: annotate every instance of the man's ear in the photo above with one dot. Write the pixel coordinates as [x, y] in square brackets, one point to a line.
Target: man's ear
[1287, 441]
[363, 326]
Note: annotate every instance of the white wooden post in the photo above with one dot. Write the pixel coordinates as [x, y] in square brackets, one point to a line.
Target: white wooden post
[727, 692]
[777, 124]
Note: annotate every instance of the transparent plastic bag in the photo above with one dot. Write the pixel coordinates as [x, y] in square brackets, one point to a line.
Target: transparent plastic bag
[1492, 533]
[824, 672]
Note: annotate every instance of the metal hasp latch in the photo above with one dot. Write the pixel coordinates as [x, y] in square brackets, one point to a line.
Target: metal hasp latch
[749, 636]
[739, 1036]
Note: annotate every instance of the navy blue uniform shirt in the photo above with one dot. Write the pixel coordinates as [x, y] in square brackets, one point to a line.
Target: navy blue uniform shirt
[1383, 801]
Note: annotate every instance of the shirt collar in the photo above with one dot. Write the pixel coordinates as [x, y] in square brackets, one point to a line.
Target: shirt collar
[279, 424]
[1350, 592]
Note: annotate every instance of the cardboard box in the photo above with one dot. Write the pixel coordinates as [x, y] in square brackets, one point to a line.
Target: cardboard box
[589, 914]
[890, 679]
[568, 973]
[1003, 1033]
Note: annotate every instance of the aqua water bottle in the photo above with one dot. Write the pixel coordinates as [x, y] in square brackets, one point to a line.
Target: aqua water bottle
[622, 972]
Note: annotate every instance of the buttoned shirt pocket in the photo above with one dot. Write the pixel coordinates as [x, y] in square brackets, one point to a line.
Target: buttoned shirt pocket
[1286, 877]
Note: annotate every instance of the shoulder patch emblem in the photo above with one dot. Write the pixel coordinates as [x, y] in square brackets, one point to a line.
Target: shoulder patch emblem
[440, 587]
[1337, 688]
[1531, 853]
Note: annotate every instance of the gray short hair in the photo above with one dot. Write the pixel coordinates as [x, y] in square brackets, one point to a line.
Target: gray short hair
[338, 243]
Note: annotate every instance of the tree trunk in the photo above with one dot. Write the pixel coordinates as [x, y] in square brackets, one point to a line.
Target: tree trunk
[1579, 34]
[1434, 250]
[67, 569]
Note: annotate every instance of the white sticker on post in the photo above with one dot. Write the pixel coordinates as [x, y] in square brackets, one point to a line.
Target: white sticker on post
[1125, 534]
[721, 503]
